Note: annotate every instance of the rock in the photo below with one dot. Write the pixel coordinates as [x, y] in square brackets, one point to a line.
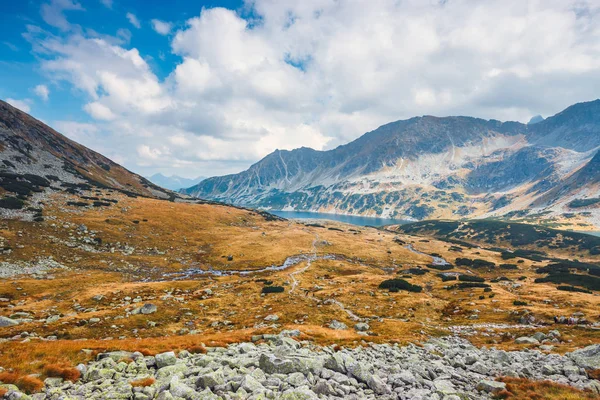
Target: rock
[491, 386]
[251, 385]
[211, 380]
[4, 322]
[299, 394]
[335, 324]
[526, 340]
[539, 336]
[148, 308]
[272, 318]
[98, 297]
[165, 359]
[362, 327]
[52, 319]
[444, 387]
[588, 357]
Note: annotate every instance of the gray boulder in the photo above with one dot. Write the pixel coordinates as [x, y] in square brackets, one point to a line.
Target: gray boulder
[588, 357]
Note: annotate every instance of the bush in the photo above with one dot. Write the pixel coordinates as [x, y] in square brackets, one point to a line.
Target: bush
[446, 277]
[11, 203]
[445, 267]
[470, 278]
[519, 303]
[399, 284]
[508, 266]
[487, 289]
[272, 289]
[573, 289]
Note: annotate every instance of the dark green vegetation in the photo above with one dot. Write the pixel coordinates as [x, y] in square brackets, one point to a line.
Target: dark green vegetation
[468, 285]
[395, 285]
[511, 234]
[573, 289]
[474, 263]
[561, 272]
[11, 203]
[470, 278]
[580, 203]
[519, 303]
[272, 289]
[440, 267]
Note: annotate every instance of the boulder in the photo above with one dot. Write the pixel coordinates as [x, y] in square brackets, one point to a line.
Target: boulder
[491, 386]
[337, 325]
[4, 322]
[148, 308]
[588, 357]
[165, 359]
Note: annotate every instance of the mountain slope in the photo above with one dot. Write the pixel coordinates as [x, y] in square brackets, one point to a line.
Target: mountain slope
[423, 167]
[29, 147]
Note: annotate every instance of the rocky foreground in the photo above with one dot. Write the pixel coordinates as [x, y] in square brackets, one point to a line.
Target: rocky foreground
[283, 368]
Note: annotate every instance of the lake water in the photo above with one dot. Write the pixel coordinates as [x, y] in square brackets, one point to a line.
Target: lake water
[594, 233]
[347, 219]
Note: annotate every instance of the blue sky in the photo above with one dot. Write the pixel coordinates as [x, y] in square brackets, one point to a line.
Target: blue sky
[205, 88]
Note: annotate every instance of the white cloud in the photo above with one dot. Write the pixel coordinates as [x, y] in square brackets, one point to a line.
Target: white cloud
[107, 3]
[53, 13]
[319, 73]
[42, 92]
[23, 105]
[161, 27]
[99, 111]
[133, 20]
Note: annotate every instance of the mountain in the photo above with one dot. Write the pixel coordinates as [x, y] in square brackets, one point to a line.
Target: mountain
[423, 167]
[34, 156]
[173, 182]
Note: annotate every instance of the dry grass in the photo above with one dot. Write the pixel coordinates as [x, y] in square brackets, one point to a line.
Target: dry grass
[61, 371]
[3, 391]
[27, 383]
[524, 389]
[143, 382]
[199, 236]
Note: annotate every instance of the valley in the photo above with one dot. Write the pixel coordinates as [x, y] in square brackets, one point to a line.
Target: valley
[116, 290]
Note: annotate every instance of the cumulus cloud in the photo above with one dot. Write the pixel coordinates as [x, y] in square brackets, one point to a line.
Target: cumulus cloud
[42, 92]
[133, 20]
[107, 3]
[161, 27]
[319, 73]
[23, 105]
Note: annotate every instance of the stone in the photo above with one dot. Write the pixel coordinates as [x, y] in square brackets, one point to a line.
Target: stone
[362, 327]
[165, 359]
[588, 357]
[491, 386]
[337, 325]
[4, 322]
[526, 340]
[211, 380]
[148, 308]
[272, 318]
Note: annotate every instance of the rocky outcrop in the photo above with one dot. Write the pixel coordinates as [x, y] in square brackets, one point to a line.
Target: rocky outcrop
[442, 369]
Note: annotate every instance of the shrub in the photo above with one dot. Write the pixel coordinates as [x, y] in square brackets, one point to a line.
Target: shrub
[470, 278]
[444, 267]
[143, 382]
[446, 277]
[487, 289]
[519, 303]
[573, 289]
[272, 289]
[395, 285]
[508, 266]
[11, 203]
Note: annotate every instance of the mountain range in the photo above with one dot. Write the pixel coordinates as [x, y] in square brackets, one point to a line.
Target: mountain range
[174, 182]
[431, 167]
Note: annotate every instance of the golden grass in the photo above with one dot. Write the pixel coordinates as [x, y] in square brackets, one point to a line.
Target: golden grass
[27, 383]
[62, 371]
[524, 389]
[143, 382]
[200, 236]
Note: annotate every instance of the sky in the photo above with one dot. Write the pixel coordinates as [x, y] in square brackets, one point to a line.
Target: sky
[206, 88]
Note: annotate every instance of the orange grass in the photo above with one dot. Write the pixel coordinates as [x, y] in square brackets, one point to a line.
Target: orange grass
[524, 389]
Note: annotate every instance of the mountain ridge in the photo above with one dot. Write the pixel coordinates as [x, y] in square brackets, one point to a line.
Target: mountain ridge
[385, 172]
